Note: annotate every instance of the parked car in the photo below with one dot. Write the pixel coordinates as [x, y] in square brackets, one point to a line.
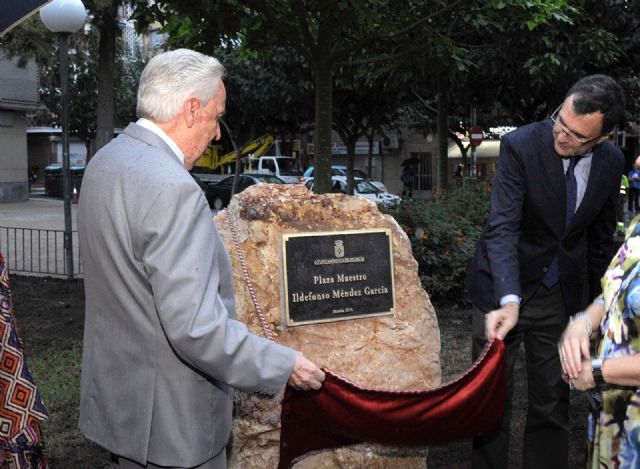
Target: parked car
[361, 188]
[286, 168]
[338, 170]
[219, 193]
[200, 182]
[335, 171]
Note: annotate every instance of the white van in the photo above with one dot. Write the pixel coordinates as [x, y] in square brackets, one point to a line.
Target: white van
[286, 168]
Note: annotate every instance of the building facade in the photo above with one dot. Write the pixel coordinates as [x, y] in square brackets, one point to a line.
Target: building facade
[18, 96]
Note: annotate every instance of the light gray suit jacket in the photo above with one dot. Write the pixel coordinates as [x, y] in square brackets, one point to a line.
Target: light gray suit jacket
[161, 348]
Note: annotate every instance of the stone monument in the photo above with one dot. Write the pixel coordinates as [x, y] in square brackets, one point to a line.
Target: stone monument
[398, 351]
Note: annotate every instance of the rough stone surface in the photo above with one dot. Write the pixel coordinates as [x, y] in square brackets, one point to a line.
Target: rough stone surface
[400, 352]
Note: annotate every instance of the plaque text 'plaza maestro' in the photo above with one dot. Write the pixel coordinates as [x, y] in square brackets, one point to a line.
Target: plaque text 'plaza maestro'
[336, 275]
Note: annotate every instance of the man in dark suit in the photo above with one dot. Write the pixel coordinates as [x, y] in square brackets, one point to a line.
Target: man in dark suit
[550, 232]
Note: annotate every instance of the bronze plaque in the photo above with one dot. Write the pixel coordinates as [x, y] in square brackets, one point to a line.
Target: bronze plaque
[337, 275]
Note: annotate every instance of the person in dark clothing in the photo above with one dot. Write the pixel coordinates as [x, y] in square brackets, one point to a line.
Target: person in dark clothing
[459, 174]
[553, 216]
[407, 180]
[633, 206]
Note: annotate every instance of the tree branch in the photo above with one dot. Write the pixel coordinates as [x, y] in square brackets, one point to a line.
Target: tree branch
[424, 102]
[300, 12]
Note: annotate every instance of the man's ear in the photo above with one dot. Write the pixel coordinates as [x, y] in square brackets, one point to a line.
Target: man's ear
[191, 108]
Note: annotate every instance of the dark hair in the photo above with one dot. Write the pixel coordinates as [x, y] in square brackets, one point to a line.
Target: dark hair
[599, 93]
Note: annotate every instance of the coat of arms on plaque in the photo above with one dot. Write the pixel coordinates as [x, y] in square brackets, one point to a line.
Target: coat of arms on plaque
[338, 248]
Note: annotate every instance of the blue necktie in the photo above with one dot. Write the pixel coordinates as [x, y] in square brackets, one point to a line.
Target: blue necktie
[553, 274]
[572, 189]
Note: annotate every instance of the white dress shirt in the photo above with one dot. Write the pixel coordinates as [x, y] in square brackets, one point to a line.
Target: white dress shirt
[147, 124]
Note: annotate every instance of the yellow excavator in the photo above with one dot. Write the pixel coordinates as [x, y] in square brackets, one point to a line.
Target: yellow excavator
[213, 161]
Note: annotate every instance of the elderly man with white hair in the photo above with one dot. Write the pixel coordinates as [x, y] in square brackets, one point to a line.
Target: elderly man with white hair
[162, 351]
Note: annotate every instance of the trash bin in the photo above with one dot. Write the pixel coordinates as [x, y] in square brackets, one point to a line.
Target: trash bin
[53, 179]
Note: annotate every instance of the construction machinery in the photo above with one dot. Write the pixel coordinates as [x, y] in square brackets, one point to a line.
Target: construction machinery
[211, 160]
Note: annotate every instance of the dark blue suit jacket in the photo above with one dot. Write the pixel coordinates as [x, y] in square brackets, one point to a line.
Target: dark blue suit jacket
[526, 228]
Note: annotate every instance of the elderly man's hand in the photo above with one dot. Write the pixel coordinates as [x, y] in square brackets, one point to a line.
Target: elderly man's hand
[499, 322]
[306, 375]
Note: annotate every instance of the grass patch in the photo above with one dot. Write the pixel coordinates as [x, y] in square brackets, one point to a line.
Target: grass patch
[57, 373]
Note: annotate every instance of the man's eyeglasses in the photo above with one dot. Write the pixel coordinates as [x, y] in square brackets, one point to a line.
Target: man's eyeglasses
[557, 121]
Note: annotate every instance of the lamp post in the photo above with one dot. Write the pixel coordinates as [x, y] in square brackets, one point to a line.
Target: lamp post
[65, 17]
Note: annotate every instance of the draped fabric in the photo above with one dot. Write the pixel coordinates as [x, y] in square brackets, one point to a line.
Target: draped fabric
[343, 413]
[21, 409]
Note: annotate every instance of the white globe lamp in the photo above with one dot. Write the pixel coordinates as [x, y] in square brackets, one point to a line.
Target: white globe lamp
[63, 16]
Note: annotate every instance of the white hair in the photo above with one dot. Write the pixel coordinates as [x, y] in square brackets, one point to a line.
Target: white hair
[172, 77]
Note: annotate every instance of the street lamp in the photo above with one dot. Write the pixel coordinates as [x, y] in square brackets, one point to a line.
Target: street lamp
[65, 17]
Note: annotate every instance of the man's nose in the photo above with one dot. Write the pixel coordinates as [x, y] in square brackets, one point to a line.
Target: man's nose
[563, 134]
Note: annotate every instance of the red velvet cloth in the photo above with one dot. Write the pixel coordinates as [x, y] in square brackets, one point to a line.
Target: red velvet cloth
[342, 413]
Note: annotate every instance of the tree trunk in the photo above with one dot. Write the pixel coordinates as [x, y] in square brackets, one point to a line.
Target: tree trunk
[107, 55]
[324, 109]
[369, 155]
[351, 156]
[442, 162]
[463, 150]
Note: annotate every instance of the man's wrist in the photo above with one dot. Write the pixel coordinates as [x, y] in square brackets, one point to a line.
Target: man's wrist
[511, 298]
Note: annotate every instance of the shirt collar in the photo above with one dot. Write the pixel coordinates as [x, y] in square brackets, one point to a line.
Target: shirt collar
[585, 157]
[147, 124]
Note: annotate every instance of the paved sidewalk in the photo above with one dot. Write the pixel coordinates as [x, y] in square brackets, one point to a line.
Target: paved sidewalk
[43, 213]
[32, 236]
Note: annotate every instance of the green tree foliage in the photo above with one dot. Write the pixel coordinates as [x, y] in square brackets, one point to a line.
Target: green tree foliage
[519, 77]
[128, 69]
[422, 37]
[266, 93]
[507, 57]
[200, 25]
[325, 33]
[455, 71]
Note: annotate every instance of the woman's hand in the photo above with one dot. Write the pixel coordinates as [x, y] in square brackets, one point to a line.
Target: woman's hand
[584, 380]
[574, 348]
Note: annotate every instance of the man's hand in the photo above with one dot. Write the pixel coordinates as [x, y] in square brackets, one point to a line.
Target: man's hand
[306, 375]
[499, 322]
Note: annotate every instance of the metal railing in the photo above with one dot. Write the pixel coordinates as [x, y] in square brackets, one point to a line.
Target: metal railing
[37, 251]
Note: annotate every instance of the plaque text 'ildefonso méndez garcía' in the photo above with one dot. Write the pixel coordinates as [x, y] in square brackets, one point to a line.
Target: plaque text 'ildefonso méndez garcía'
[337, 275]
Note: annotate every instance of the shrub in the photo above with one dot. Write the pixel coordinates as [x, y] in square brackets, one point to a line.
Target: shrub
[443, 232]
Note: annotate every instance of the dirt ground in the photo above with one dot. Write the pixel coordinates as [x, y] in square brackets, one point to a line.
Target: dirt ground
[50, 316]
[51, 310]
